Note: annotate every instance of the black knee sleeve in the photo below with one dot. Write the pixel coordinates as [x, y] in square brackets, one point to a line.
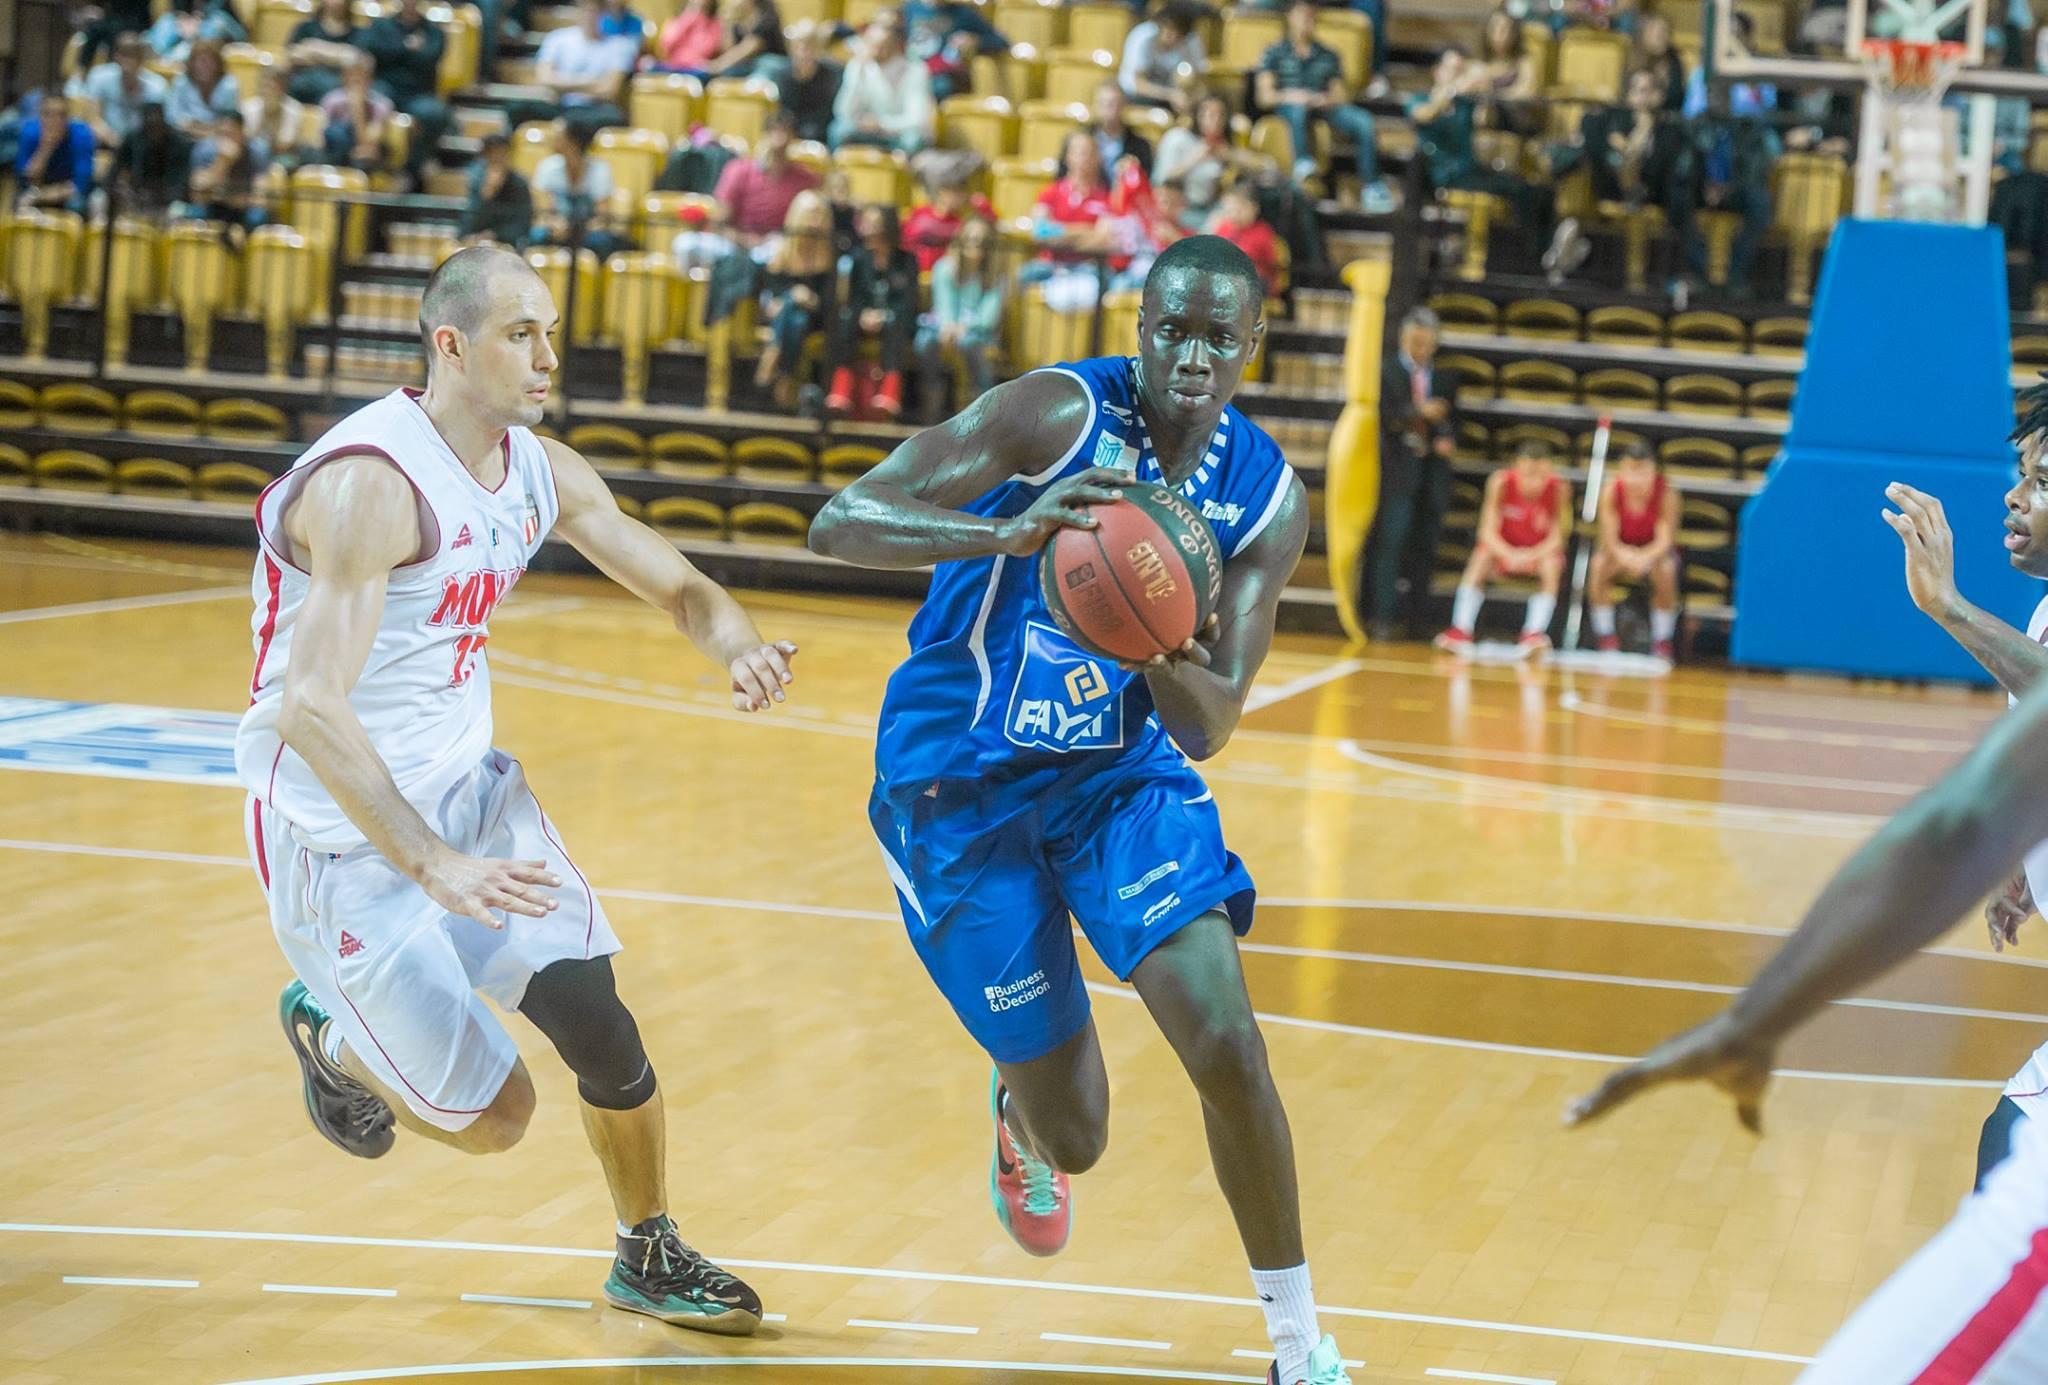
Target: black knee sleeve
[577, 1005]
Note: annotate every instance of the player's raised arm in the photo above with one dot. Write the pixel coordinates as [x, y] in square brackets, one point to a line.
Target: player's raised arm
[2017, 662]
[1908, 884]
[649, 566]
[357, 520]
[904, 512]
[1200, 696]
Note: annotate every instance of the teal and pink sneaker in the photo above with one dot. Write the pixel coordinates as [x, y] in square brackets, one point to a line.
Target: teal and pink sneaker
[1033, 1201]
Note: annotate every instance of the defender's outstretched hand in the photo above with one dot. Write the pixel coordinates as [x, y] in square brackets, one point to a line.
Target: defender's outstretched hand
[474, 886]
[2008, 909]
[1717, 1052]
[760, 675]
[1922, 527]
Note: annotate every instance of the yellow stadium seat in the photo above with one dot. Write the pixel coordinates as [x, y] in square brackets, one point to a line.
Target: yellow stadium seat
[1482, 212]
[1541, 319]
[822, 12]
[1708, 457]
[1039, 336]
[667, 102]
[1475, 376]
[880, 176]
[17, 405]
[275, 20]
[281, 281]
[738, 108]
[685, 517]
[1466, 312]
[531, 143]
[1043, 127]
[1624, 326]
[15, 467]
[1701, 330]
[1703, 394]
[1099, 24]
[641, 298]
[230, 481]
[610, 445]
[1807, 191]
[1347, 33]
[1538, 382]
[1072, 75]
[1247, 34]
[160, 414]
[136, 283]
[985, 124]
[636, 158]
[1590, 65]
[1770, 398]
[1040, 23]
[69, 469]
[244, 420]
[152, 476]
[462, 29]
[1513, 436]
[552, 264]
[661, 217]
[687, 454]
[758, 521]
[629, 505]
[1619, 389]
[779, 460]
[1758, 456]
[42, 270]
[76, 408]
[1778, 336]
[812, 154]
[1014, 185]
[847, 461]
[245, 63]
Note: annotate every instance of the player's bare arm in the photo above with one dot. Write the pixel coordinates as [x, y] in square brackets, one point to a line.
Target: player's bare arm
[355, 521]
[647, 565]
[1200, 694]
[1665, 542]
[1489, 517]
[2017, 662]
[902, 513]
[1608, 521]
[1898, 894]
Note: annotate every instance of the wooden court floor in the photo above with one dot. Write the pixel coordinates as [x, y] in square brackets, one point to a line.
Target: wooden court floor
[1480, 886]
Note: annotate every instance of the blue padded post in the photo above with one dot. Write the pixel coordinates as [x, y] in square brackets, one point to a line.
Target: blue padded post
[1908, 378]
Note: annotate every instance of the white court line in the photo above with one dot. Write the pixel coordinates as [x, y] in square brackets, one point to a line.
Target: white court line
[598, 693]
[522, 1302]
[131, 1283]
[122, 603]
[1265, 695]
[775, 1317]
[644, 1363]
[1572, 702]
[1130, 1342]
[884, 1325]
[338, 1290]
[1526, 1050]
[1267, 1355]
[869, 1272]
[1447, 1374]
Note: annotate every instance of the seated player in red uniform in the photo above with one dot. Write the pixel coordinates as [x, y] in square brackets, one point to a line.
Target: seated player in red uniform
[1522, 528]
[1638, 539]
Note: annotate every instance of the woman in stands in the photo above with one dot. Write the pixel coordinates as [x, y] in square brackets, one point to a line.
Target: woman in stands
[966, 318]
[796, 290]
[880, 305]
[1199, 154]
[1655, 52]
[204, 92]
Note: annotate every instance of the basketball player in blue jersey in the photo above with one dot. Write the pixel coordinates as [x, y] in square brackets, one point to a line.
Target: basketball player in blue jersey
[1022, 780]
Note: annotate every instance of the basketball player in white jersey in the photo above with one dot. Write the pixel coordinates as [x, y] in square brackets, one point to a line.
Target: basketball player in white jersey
[1969, 1308]
[2019, 662]
[409, 868]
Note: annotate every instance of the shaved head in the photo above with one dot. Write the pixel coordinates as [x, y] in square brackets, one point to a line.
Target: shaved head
[460, 293]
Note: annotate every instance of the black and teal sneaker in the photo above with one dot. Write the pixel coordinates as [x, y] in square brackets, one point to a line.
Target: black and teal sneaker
[350, 1115]
[658, 1275]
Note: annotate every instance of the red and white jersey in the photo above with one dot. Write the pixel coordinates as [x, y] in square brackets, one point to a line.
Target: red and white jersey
[1527, 520]
[424, 695]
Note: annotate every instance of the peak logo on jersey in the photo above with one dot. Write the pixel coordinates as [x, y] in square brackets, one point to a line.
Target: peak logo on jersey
[350, 944]
[463, 538]
[1062, 699]
[529, 524]
[1216, 512]
[468, 600]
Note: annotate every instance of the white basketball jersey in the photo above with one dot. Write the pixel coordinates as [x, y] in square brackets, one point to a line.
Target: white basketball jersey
[2029, 1086]
[424, 695]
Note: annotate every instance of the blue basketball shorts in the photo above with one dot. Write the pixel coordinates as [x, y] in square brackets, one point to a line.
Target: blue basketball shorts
[987, 877]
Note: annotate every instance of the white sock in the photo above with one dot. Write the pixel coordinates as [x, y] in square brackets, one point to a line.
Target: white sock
[1542, 607]
[1465, 608]
[1603, 620]
[1663, 625]
[1290, 1307]
[330, 1042]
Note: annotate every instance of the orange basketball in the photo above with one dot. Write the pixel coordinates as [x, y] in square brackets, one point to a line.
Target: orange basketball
[1140, 583]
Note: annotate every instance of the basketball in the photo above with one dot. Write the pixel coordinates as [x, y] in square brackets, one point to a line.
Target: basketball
[1140, 583]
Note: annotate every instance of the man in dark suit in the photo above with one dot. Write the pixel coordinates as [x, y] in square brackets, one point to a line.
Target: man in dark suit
[1418, 428]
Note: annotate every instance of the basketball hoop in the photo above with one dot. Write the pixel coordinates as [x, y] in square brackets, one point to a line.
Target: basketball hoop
[1908, 68]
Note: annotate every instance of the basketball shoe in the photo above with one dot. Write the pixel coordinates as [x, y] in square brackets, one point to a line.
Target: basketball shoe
[658, 1275]
[1453, 641]
[1033, 1201]
[350, 1115]
[1325, 1367]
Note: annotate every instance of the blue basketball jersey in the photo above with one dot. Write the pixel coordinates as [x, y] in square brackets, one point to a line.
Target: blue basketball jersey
[992, 690]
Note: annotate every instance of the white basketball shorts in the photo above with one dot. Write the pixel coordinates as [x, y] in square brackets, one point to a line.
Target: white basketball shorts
[1968, 1308]
[403, 978]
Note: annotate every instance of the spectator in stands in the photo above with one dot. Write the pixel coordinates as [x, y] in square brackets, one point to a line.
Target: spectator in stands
[1237, 221]
[1738, 98]
[408, 52]
[319, 48]
[1523, 522]
[356, 119]
[120, 89]
[1200, 156]
[1161, 56]
[1732, 157]
[500, 205]
[1418, 428]
[572, 196]
[810, 87]
[929, 230]
[754, 45]
[588, 70]
[153, 166]
[796, 287]
[1443, 131]
[1504, 53]
[1114, 139]
[1654, 50]
[692, 39]
[838, 191]
[880, 306]
[946, 36]
[204, 92]
[1302, 82]
[1171, 218]
[966, 319]
[1638, 541]
[53, 162]
[1069, 214]
[621, 22]
[103, 26]
[755, 194]
[885, 99]
[224, 173]
[1638, 156]
[189, 22]
[281, 131]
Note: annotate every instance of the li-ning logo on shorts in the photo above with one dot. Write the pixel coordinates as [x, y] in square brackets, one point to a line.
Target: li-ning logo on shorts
[1001, 998]
[1161, 909]
[1147, 880]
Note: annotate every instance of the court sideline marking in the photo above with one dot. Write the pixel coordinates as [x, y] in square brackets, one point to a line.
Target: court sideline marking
[637, 1363]
[189, 597]
[911, 1276]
